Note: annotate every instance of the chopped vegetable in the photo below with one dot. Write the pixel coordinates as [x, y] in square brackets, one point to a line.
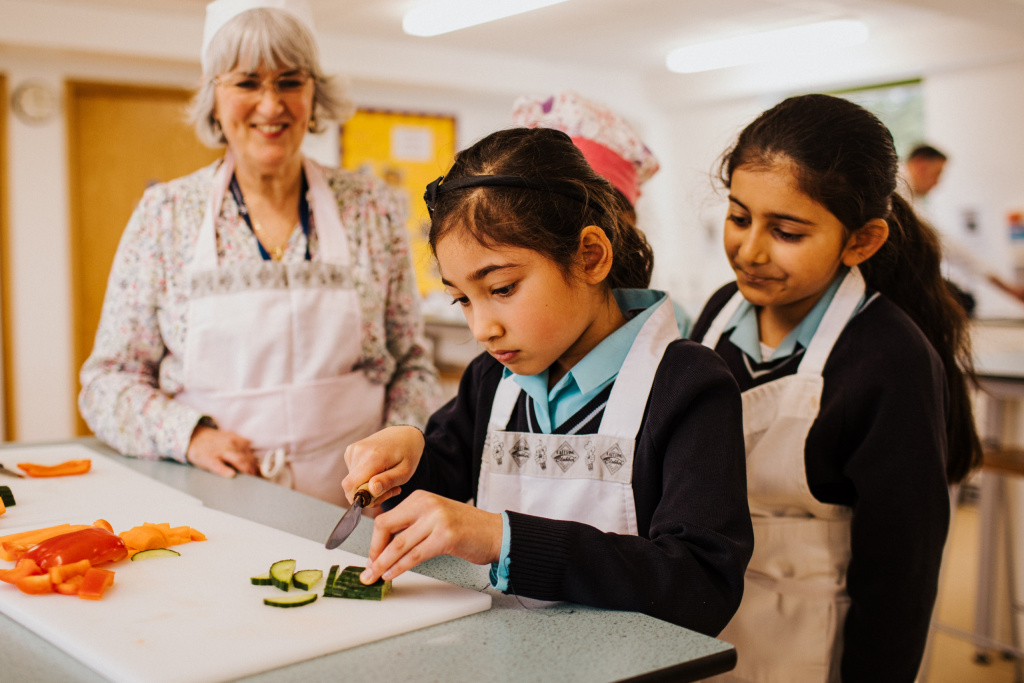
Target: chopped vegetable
[62, 470]
[297, 600]
[281, 574]
[13, 546]
[152, 536]
[95, 583]
[103, 524]
[153, 553]
[95, 544]
[3, 507]
[346, 584]
[260, 580]
[306, 578]
[70, 587]
[6, 496]
[24, 568]
[66, 572]
[37, 584]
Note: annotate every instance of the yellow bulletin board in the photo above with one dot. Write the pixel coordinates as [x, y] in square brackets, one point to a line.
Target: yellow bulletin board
[408, 151]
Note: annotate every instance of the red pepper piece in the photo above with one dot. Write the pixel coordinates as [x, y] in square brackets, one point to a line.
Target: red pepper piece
[39, 584]
[95, 544]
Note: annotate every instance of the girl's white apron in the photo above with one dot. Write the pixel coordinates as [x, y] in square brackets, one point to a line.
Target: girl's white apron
[272, 350]
[577, 477]
[789, 625]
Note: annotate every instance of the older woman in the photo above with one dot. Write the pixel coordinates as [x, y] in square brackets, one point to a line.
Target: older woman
[261, 313]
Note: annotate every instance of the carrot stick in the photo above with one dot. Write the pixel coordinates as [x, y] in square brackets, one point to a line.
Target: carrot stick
[63, 469]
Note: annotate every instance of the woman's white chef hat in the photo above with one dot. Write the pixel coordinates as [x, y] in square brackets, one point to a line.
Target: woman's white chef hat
[609, 143]
[221, 12]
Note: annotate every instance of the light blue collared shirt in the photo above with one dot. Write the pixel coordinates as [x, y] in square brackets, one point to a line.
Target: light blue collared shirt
[578, 387]
[746, 335]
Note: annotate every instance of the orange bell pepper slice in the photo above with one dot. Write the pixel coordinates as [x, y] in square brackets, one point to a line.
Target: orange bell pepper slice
[94, 583]
[65, 572]
[24, 568]
[71, 586]
[62, 470]
[39, 584]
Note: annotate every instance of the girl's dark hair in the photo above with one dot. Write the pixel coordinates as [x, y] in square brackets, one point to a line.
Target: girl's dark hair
[546, 222]
[845, 160]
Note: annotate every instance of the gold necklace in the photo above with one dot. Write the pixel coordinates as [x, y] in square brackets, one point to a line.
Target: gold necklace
[277, 252]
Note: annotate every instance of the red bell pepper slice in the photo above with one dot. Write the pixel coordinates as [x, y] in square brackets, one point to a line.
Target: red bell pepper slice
[95, 544]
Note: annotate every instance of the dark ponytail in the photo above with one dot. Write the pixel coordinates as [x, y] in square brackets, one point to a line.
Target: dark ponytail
[547, 222]
[846, 161]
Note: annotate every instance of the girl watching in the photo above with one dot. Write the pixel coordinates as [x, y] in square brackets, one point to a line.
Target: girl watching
[852, 356]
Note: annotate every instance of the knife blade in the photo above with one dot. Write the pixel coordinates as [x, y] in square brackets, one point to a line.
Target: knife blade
[350, 520]
[10, 473]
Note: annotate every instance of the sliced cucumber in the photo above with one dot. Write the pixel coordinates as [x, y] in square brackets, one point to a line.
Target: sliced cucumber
[346, 584]
[6, 496]
[297, 600]
[306, 578]
[153, 553]
[261, 580]
[281, 574]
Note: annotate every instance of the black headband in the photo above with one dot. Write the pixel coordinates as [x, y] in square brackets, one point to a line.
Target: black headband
[440, 186]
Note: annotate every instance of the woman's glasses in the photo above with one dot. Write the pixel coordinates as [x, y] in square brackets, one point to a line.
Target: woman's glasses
[251, 87]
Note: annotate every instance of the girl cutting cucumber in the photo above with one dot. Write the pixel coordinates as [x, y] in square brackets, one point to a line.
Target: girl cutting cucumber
[604, 454]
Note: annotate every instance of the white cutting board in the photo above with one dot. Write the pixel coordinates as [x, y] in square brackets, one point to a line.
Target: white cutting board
[198, 618]
[46, 501]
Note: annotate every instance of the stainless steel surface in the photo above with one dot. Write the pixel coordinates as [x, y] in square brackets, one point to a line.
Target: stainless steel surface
[349, 520]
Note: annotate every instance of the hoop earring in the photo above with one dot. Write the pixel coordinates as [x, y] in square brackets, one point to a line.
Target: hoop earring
[312, 124]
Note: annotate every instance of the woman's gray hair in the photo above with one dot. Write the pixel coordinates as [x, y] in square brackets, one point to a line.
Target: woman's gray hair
[273, 39]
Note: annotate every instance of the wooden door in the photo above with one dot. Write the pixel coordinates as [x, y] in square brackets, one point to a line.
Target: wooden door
[121, 139]
[7, 378]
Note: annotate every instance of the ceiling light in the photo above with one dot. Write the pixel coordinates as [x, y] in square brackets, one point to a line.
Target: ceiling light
[435, 17]
[810, 39]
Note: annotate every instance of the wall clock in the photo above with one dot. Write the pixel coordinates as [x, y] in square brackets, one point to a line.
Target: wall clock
[34, 102]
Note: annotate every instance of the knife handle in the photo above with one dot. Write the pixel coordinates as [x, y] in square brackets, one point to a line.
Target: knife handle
[363, 496]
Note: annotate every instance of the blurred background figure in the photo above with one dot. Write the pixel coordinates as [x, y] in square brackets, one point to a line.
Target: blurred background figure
[610, 144]
[261, 313]
[922, 171]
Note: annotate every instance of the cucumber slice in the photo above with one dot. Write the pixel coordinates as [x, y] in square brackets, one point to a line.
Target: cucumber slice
[154, 552]
[306, 578]
[6, 496]
[281, 574]
[261, 580]
[347, 585]
[297, 600]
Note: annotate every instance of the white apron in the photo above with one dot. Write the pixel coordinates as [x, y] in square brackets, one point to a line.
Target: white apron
[272, 348]
[788, 628]
[577, 477]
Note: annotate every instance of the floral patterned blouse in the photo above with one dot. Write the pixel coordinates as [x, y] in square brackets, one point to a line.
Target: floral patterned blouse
[136, 367]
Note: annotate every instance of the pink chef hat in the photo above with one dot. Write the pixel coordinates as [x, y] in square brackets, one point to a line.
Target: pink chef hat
[221, 12]
[612, 147]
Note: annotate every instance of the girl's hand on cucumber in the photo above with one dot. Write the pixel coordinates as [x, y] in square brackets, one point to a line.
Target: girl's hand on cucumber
[426, 525]
[384, 460]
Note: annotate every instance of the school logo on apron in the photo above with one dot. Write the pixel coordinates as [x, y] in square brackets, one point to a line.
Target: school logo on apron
[566, 456]
[520, 452]
[613, 459]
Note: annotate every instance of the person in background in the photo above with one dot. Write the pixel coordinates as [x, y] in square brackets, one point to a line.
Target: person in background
[605, 454]
[923, 169]
[609, 143]
[261, 313]
[853, 359]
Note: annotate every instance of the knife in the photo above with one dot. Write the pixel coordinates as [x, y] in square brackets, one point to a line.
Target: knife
[349, 520]
[10, 473]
